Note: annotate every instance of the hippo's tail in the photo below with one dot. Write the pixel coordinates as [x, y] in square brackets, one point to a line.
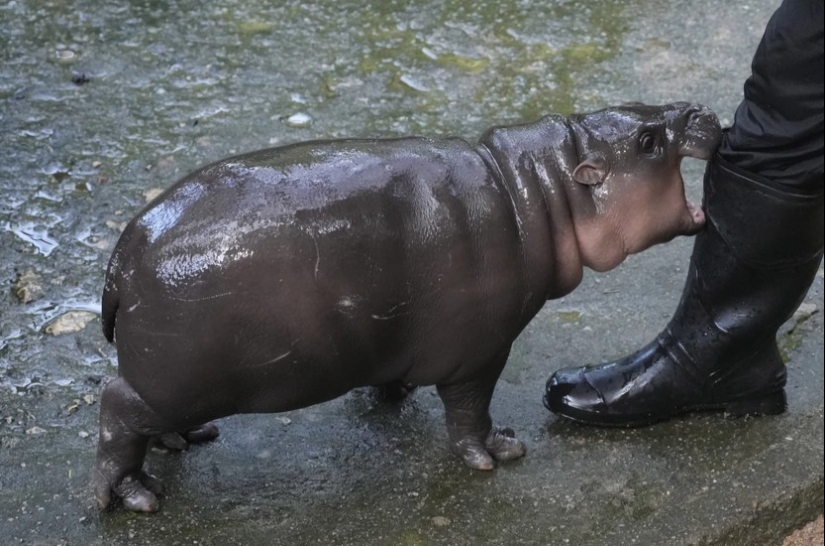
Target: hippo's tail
[109, 309]
[111, 298]
[109, 305]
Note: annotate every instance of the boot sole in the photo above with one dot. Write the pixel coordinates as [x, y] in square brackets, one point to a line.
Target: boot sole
[773, 403]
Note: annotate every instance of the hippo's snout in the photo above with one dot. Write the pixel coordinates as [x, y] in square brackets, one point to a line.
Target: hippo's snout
[697, 114]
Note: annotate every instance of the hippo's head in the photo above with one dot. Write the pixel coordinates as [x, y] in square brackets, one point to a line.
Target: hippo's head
[629, 160]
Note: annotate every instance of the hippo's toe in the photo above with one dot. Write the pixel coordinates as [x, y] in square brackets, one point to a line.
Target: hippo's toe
[139, 492]
[473, 454]
[136, 494]
[500, 445]
[202, 434]
[503, 445]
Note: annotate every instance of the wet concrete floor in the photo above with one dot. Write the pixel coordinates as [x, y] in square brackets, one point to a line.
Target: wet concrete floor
[102, 104]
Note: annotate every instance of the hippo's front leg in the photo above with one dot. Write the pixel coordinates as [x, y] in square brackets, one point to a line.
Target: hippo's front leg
[469, 426]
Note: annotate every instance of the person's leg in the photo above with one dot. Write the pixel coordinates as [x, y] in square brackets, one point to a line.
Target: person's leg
[752, 265]
[778, 128]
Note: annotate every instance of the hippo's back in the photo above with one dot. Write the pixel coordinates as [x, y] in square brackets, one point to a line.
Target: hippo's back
[264, 206]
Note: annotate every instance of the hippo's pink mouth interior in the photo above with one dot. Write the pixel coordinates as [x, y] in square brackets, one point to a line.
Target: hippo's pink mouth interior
[697, 214]
[705, 134]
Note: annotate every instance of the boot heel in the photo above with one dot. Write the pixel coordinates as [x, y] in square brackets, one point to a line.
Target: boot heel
[771, 404]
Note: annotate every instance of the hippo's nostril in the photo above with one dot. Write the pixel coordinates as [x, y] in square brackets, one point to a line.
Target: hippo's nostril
[693, 113]
[697, 113]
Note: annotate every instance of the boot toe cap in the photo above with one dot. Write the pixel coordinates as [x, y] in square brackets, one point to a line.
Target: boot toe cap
[569, 393]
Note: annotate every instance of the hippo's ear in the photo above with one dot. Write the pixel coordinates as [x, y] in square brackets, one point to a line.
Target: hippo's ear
[591, 171]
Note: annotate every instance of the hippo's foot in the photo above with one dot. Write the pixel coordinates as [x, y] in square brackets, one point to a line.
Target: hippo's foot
[503, 445]
[139, 491]
[394, 391]
[180, 441]
[126, 424]
[500, 445]
[469, 426]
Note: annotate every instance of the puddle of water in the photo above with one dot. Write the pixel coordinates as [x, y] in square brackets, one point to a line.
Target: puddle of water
[34, 235]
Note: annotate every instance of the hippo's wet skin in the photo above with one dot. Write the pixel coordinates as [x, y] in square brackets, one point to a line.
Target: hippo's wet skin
[286, 277]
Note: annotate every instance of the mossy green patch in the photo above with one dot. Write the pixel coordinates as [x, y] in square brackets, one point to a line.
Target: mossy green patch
[789, 342]
[462, 62]
[569, 316]
[255, 27]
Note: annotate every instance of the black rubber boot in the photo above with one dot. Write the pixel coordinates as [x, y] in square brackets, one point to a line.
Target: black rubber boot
[751, 268]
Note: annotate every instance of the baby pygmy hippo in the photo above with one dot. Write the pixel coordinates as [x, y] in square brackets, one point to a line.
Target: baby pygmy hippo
[286, 277]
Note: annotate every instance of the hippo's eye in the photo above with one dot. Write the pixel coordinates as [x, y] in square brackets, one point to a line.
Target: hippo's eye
[647, 142]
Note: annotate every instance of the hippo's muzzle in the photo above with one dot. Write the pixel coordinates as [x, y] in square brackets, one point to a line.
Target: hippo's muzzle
[702, 133]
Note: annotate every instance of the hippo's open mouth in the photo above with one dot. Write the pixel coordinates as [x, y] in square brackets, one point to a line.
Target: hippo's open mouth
[694, 211]
[703, 135]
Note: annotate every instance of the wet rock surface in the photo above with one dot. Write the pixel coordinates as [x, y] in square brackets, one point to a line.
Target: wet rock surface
[101, 104]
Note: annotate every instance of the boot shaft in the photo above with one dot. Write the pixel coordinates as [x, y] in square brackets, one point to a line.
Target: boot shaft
[765, 225]
[752, 265]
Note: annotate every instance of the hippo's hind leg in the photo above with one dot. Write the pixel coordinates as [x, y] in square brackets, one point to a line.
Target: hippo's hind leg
[180, 441]
[126, 425]
[469, 426]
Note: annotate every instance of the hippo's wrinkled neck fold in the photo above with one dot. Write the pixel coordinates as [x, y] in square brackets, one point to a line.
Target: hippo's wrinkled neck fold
[534, 162]
[599, 249]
